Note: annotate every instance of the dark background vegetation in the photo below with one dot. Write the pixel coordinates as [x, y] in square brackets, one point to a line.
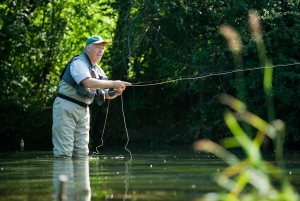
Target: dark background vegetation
[151, 41]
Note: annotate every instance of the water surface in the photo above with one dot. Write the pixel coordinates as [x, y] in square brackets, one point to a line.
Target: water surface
[174, 174]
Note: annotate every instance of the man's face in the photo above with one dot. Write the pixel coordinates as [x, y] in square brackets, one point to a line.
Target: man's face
[95, 52]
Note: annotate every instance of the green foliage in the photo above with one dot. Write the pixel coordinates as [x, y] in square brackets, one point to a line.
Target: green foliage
[153, 41]
[37, 39]
[167, 40]
[251, 178]
[32, 124]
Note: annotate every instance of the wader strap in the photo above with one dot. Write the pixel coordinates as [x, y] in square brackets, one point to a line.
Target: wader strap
[72, 100]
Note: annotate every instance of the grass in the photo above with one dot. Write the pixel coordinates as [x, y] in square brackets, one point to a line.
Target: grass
[251, 178]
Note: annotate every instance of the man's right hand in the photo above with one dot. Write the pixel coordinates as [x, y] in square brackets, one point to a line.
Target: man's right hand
[120, 85]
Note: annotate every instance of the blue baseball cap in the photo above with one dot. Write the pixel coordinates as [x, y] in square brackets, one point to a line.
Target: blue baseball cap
[95, 40]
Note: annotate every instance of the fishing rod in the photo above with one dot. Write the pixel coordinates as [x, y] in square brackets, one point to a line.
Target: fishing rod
[112, 92]
[205, 75]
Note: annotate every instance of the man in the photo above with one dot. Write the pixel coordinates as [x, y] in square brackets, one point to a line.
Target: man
[82, 81]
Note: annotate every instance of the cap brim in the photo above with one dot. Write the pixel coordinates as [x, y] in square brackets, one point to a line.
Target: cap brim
[98, 42]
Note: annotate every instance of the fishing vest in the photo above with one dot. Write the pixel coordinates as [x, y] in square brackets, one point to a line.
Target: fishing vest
[96, 72]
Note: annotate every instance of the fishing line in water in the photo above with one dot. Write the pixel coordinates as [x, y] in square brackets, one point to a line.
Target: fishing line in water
[102, 132]
[125, 129]
[127, 135]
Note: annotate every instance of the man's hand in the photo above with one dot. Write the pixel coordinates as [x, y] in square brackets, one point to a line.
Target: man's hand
[94, 83]
[119, 87]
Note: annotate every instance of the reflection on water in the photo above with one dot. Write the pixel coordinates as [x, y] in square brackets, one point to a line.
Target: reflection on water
[111, 178]
[78, 179]
[152, 175]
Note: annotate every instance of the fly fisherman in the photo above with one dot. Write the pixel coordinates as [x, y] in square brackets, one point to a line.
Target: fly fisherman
[82, 81]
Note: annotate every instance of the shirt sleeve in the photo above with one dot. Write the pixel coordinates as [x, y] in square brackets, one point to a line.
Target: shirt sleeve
[79, 71]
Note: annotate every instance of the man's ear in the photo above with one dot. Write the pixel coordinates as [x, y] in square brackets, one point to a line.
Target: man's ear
[87, 48]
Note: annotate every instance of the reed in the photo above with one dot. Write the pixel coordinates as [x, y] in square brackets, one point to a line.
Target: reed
[251, 178]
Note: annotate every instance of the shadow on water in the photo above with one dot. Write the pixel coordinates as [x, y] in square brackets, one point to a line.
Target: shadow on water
[176, 174]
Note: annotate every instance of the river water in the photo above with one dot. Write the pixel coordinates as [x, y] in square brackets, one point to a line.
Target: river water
[171, 174]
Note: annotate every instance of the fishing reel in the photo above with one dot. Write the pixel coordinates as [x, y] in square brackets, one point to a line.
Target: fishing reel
[111, 92]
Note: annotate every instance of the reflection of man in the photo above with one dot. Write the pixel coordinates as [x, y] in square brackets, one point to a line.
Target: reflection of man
[78, 184]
